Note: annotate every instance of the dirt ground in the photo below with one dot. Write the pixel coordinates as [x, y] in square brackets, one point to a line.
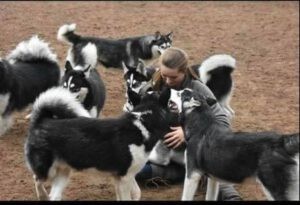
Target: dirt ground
[262, 36]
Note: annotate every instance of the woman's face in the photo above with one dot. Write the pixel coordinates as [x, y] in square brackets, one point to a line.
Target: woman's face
[172, 77]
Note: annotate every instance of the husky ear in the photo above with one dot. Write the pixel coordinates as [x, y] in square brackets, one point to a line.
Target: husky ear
[125, 69]
[211, 101]
[170, 35]
[141, 68]
[157, 35]
[164, 97]
[68, 66]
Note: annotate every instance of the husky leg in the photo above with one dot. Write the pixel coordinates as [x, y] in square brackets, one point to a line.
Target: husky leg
[212, 190]
[136, 191]
[117, 188]
[125, 187]
[40, 189]
[59, 183]
[190, 186]
[5, 123]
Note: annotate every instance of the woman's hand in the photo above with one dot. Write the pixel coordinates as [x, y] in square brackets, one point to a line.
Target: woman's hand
[174, 138]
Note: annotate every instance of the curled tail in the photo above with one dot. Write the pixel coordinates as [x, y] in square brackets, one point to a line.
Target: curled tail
[33, 49]
[214, 63]
[291, 143]
[57, 103]
[66, 33]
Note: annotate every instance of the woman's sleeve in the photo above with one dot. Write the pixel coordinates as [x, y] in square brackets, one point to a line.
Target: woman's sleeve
[202, 89]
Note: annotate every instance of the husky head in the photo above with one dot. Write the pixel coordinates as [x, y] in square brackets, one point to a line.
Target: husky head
[191, 100]
[153, 108]
[76, 81]
[136, 78]
[160, 43]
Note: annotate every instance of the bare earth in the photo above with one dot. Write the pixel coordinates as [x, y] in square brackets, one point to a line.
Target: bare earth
[262, 36]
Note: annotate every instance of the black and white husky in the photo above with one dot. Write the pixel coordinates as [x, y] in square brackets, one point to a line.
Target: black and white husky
[215, 72]
[87, 86]
[28, 70]
[136, 78]
[62, 137]
[214, 150]
[111, 52]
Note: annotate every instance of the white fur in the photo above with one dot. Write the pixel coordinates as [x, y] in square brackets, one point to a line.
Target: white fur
[4, 99]
[70, 57]
[212, 190]
[160, 154]
[5, 122]
[93, 112]
[65, 29]
[89, 53]
[126, 186]
[58, 95]
[293, 190]
[34, 48]
[190, 186]
[142, 128]
[213, 62]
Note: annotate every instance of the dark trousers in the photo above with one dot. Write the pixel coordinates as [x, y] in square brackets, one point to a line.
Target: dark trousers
[175, 173]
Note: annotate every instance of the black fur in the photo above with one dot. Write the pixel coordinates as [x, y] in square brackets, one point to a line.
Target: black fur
[215, 150]
[96, 94]
[220, 82]
[92, 143]
[112, 52]
[25, 80]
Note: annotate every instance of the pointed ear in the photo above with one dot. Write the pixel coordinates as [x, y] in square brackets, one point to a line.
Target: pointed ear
[170, 35]
[141, 68]
[157, 35]
[68, 66]
[211, 101]
[125, 68]
[164, 97]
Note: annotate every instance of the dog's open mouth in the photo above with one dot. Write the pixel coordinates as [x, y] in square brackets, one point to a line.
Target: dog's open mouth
[173, 106]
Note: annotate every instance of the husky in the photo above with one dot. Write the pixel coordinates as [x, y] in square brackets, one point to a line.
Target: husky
[28, 70]
[62, 137]
[111, 52]
[214, 150]
[136, 78]
[87, 86]
[215, 72]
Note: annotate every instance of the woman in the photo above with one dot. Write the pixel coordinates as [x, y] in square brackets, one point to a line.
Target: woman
[175, 73]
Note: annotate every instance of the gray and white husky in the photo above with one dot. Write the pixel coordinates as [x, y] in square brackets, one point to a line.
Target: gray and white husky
[215, 72]
[214, 150]
[111, 52]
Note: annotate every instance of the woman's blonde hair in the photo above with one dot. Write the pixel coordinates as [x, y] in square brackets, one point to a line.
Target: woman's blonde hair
[173, 58]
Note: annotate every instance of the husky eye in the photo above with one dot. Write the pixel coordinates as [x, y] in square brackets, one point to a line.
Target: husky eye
[75, 90]
[163, 46]
[137, 84]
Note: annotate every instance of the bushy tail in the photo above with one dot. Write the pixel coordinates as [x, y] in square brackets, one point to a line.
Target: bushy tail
[215, 62]
[291, 143]
[66, 33]
[33, 49]
[56, 103]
